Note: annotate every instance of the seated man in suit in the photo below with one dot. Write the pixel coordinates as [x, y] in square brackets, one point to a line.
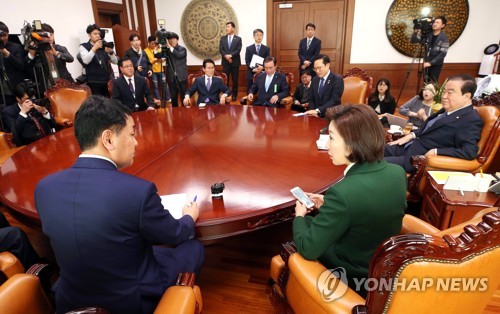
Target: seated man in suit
[131, 89]
[26, 120]
[327, 88]
[452, 131]
[104, 225]
[270, 86]
[302, 93]
[259, 49]
[208, 87]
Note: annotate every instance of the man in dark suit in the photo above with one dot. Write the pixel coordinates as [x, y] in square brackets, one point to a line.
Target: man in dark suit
[309, 49]
[327, 88]
[258, 49]
[104, 224]
[56, 59]
[26, 120]
[270, 86]
[131, 89]
[230, 48]
[302, 94]
[177, 78]
[208, 87]
[12, 58]
[453, 131]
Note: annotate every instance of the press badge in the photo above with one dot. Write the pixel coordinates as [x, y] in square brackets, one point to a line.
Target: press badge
[54, 74]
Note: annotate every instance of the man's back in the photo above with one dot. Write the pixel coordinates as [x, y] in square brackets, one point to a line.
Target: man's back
[102, 236]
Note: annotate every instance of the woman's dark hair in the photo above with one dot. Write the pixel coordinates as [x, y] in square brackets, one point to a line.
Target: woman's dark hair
[361, 130]
[97, 114]
[374, 95]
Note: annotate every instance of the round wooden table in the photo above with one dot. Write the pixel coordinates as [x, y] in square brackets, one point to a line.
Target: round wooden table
[260, 153]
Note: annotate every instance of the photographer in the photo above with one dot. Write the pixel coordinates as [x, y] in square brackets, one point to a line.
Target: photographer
[12, 62]
[436, 46]
[96, 59]
[56, 55]
[141, 62]
[25, 119]
[177, 73]
[153, 51]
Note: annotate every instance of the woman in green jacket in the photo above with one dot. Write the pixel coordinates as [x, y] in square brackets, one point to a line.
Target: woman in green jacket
[361, 210]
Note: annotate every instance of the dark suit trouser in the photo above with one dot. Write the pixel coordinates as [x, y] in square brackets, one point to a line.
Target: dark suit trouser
[232, 71]
[432, 74]
[176, 91]
[396, 154]
[99, 89]
[186, 257]
[15, 241]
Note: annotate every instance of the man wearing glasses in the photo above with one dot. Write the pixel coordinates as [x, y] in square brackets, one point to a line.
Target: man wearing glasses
[327, 88]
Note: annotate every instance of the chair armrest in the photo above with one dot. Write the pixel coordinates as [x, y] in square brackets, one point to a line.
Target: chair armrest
[22, 293]
[184, 297]
[277, 267]
[287, 102]
[452, 163]
[302, 291]
[64, 122]
[412, 224]
[10, 265]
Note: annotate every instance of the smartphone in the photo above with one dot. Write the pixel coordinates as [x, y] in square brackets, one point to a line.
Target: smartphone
[302, 197]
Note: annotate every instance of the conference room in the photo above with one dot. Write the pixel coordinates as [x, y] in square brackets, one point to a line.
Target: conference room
[238, 162]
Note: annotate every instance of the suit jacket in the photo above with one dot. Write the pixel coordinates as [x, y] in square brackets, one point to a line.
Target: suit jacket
[24, 129]
[121, 91]
[102, 224]
[454, 135]
[234, 51]
[302, 93]
[309, 54]
[15, 63]
[179, 59]
[264, 52]
[278, 87]
[331, 94]
[139, 60]
[217, 86]
[348, 228]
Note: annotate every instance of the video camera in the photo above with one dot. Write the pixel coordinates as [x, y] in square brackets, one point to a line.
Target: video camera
[30, 88]
[106, 44]
[34, 36]
[424, 25]
[162, 34]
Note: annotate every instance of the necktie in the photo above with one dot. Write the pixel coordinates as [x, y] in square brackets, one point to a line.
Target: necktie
[230, 40]
[431, 122]
[258, 49]
[37, 124]
[131, 86]
[268, 82]
[308, 43]
[208, 88]
[321, 84]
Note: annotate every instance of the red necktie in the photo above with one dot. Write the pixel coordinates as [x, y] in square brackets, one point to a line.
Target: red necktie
[37, 124]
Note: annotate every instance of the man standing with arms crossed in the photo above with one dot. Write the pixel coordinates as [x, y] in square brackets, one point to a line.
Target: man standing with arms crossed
[230, 48]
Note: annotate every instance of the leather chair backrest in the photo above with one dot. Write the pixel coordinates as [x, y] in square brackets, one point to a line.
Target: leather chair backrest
[490, 116]
[66, 98]
[6, 141]
[22, 293]
[355, 90]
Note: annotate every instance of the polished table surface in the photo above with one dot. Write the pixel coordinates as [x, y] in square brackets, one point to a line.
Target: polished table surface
[260, 153]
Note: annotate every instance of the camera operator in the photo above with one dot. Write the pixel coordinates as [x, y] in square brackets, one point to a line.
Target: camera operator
[179, 71]
[25, 119]
[436, 48]
[153, 51]
[12, 65]
[140, 61]
[56, 55]
[96, 59]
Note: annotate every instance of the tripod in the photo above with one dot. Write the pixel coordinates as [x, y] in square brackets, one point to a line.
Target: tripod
[419, 51]
[41, 65]
[166, 53]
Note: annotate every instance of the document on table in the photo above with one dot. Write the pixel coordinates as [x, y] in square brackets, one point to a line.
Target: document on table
[256, 60]
[441, 176]
[174, 203]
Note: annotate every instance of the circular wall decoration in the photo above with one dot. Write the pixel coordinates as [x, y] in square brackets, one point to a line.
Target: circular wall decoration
[399, 22]
[202, 25]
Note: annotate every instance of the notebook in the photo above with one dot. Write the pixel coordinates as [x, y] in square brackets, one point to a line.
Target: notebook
[395, 120]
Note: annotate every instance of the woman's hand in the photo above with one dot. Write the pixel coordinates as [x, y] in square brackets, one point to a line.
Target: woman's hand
[300, 209]
[318, 199]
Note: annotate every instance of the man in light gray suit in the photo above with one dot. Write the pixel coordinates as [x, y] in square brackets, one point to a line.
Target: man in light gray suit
[177, 75]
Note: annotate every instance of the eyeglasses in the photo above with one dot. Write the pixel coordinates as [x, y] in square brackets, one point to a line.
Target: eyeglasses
[318, 68]
[127, 66]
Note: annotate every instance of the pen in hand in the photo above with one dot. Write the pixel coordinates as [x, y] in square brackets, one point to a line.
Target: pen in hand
[194, 200]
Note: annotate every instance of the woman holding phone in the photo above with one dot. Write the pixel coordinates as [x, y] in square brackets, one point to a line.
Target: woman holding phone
[364, 208]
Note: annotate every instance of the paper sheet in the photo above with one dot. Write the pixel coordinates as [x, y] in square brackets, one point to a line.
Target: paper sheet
[174, 203]
[256, 60]
[441, 176]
